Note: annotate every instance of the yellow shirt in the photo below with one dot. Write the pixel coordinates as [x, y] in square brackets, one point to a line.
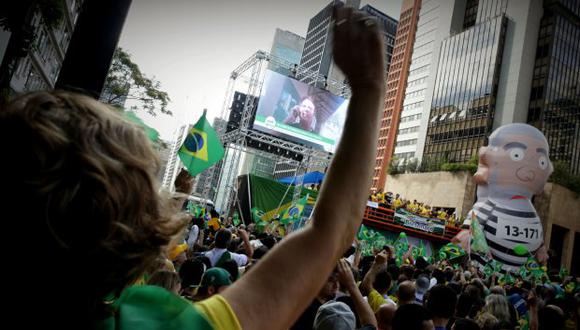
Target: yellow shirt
[219, 313]
[375, 300]
[397, 203]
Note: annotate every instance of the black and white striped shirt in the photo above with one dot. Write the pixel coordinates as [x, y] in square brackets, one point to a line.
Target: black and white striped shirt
[505, 228]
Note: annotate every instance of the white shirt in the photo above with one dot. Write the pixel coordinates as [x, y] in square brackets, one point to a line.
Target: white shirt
[192, 236]
[215, 254]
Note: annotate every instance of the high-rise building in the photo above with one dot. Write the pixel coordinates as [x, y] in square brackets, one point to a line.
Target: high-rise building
[39, 69]
[163, 149]
[286, 46]
[173, 163]
[396, 81]
[317, 53]
[483, 77]
[555, 95]
[436, 20]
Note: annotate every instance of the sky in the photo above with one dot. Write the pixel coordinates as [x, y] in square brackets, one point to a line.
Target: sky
[192, 46]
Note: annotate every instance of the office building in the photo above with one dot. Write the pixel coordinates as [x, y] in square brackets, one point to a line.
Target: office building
[483, 78]
[436, 20]
[317, 53]
[173, 163]
[554, 105]
[39, 69]
[287, 47]
[396, 81]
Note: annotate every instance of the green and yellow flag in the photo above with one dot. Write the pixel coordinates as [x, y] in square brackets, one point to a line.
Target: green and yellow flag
[202, 148]
[294, 212]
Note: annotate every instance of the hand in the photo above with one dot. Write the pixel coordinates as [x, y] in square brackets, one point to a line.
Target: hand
[358, 48]
[381, 258]
[532, 300]
[345, 277]
[295, 111]
[184, 182]
[243, 233]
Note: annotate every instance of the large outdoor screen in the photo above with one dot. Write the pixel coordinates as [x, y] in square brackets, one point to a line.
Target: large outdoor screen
[297, 111]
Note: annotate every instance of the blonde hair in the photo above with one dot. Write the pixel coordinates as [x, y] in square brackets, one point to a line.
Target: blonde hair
[498, 306]
[89, 176]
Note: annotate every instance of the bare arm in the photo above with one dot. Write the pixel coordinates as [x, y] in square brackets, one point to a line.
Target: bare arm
[369, 279]
[247, 246]
[305, 258]
[363, 309]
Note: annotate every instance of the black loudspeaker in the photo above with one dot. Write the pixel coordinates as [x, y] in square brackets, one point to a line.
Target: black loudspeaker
[92, 46]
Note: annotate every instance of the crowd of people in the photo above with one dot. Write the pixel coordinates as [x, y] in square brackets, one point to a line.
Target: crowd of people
[372, 292]
[396, 201]
[101, 247]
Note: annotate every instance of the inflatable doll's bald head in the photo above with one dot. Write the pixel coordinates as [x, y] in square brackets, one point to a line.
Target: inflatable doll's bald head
[517, 159]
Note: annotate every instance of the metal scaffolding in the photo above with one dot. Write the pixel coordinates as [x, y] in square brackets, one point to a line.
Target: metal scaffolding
[250, 75]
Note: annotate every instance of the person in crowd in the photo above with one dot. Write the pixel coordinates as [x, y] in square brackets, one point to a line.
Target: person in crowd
[214, 281]
[465, 324]
[498, 306]
[406, 293]
[421, 286]
[385, 316]
[362, 309]
[334, 315]
[91, 177]
[412, 317]
[219, 254]
[326, 294]
[441, 302]
[190, 274]
[377, 282]
[193, 236]
[486, 321]
[166, 279]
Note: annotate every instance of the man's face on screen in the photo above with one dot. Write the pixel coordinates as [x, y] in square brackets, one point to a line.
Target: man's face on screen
[306, 110]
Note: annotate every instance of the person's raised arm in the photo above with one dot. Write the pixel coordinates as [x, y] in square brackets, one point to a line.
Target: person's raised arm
[369, 279]
[247, 246]
[363, 309]
[282, 284]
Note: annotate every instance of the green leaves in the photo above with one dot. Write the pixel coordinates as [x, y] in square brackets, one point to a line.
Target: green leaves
[126, 81]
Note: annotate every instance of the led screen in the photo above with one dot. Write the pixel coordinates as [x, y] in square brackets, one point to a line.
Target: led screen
[300, 112]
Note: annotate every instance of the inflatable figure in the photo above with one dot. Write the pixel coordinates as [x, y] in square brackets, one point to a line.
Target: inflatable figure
[512, 168]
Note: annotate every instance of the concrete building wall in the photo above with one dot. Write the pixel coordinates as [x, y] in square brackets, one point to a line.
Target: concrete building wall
[556, 206]
[517, 67]
[559, 206]
[437, 189]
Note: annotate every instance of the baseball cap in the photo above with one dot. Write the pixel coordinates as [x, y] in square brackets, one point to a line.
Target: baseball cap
[422, 284]
[334, 315]
[215, 276]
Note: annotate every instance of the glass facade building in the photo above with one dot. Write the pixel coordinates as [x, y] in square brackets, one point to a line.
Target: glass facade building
[555, 97]
[465, 91]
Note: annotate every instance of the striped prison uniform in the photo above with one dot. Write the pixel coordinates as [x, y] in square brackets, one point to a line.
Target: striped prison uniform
[504, 228]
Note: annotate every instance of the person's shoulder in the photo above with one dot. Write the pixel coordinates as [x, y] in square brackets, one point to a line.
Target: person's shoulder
[218, 312]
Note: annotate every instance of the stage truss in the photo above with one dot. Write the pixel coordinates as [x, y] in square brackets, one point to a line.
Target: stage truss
[250, 75]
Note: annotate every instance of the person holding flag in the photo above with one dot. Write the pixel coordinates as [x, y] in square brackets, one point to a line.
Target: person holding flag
[91, 177]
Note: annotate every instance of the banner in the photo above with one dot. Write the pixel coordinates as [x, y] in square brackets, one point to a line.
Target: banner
[267, 195]
[374, 205]
[429, 225]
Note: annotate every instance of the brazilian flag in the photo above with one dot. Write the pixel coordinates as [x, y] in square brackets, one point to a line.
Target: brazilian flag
[294, 212]
[202, 148]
